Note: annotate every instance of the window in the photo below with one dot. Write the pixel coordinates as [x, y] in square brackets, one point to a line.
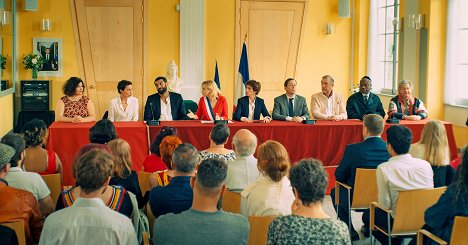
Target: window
[456, 63]
[383, 45]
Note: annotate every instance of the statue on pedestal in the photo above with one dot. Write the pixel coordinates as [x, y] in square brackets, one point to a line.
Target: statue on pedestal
[174, 83]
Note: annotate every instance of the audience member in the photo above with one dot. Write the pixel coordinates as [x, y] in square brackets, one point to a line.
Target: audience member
[212, 105]
[74, 107]
[405, 105]
[218, 138]
[167, 147]
[364, 102]
[115, 197]
[203, 223]
[89, 220]
[328, 104]
[37, 159]
[290, 106]
[308, 224]
[250, 106]
[457, 161]
[171, 108]
[102, 132]
[28, 181]
[454, 202]
[271, 193]
[153, 162]
[123, 174]
[242, 171]
[433, 147]
[367, 154]
[177, 196]
[16, 204]
[124, 107]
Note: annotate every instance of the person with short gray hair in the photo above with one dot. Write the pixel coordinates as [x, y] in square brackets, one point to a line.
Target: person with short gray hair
[243, 170]
[218, 138]
[406, 106]
[177, 196]
[328, 104]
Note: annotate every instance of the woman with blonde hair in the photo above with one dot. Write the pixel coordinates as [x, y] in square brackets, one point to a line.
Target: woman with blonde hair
[212, 105]
[433, 147]
[271, 193]
[123, 173]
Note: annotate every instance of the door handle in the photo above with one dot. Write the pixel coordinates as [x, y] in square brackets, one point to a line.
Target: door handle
[91, 86]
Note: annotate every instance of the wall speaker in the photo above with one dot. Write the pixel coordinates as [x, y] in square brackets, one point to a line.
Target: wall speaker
[344, 8]
[30, 5]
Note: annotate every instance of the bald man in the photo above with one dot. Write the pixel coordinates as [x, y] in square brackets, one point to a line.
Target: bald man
[243, 170]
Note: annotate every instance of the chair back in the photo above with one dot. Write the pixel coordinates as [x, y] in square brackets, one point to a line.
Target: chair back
[410, 207]
[143, 180]
[365, 188]
[258, 234]
[54, 182]
[231, 202]
[18, 227]
[460, 231]
[190, 105]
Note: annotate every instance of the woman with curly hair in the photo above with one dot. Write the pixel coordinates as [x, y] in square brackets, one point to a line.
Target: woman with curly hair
[38, 159]
[74, 107]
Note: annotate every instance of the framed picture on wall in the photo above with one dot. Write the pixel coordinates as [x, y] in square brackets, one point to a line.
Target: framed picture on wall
[51, 50]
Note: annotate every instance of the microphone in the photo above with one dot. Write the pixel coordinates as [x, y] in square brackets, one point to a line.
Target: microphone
[152, 122]
[393, 120]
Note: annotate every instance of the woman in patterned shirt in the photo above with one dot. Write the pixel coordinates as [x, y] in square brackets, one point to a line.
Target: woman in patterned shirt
[74, 107]
[405, 105]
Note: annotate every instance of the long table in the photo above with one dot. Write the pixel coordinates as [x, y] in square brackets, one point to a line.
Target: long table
[325, 140]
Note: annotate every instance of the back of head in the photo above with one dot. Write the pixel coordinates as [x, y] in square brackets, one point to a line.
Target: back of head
[185, 158]
[93, 169]
[102, 132]
[165, 131]
[244, 143]
[434, 138]
[220, 133]
[211, 176]
[374, 124]
[6, 153]
[400, 138]
[120, 150]
[167, 148]
[273, 160]
[35, 132]
[17, 142]
[310, 180]
[85, 149]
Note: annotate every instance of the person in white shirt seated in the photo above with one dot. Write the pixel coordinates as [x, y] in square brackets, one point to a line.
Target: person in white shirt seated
[125, 107]
[242, 171]
[271, 193]
[328, 104]
[89, 220]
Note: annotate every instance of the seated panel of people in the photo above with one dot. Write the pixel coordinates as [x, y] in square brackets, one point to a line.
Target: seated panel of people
[38, 159]
[250, 107]
[328, 104]
[125, 107]
[74, 107]
[405, 106]
[290, 106]
[364, 102]
[153, 162]
[219, 136]
[212, 105]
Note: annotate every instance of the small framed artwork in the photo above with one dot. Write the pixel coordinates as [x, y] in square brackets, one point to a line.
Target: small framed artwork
[51, 51]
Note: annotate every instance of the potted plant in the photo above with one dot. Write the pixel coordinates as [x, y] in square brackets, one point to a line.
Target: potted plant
[3, 60]
[33, 61]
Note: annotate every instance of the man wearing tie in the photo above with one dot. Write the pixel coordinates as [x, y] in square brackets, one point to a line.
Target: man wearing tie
[290, 106]
[49, 62]
[364, 102]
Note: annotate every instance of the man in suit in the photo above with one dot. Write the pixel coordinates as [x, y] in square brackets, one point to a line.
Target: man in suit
[290, 106]
[367, 154]
[164, 105]
[49, 61]
[364, 102]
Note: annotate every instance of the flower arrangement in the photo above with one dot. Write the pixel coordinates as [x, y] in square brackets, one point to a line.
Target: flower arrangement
[3, 60]
[32, 61]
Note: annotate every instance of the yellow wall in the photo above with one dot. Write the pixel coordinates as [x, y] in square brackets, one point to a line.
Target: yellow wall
[6, 123]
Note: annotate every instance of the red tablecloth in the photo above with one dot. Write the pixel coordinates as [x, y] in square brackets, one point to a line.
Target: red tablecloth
[66, 138]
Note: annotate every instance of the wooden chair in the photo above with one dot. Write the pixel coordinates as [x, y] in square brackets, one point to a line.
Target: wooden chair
[408, 215]
[150, 216]
[143, 180]
[365, 192]
[231, 202]
[258, 234]
[54, 182]
[459, 233]
[18, 227]
[145, 238]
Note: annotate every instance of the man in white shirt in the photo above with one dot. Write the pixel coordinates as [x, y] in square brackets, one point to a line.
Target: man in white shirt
[125, 107]
[243, 170]
[28, 181]
[290, 106]
[89, 220]
[327, 104]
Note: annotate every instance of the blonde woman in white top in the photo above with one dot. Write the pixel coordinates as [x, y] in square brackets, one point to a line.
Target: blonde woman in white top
[125, 107]
[271, 193]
